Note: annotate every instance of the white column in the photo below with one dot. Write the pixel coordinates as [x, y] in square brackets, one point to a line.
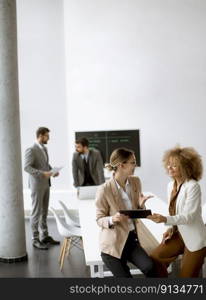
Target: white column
[12, 228]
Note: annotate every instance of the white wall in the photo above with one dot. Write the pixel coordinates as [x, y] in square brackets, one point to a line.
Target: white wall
[42, 83]
[139, 64]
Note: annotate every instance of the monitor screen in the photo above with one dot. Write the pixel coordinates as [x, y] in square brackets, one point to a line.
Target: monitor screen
[107, 141]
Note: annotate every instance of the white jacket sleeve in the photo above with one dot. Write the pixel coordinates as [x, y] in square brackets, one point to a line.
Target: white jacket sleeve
[190, 208]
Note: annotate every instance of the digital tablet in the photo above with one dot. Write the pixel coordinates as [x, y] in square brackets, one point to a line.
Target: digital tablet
[136, 213]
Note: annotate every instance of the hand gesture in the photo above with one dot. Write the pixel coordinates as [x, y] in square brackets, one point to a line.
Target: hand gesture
[167, 235]
[143, 199]
[56, 174]
[117, 218]
[47, 174]
[157, 218]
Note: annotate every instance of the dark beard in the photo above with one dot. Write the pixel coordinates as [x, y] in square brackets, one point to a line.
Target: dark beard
[80, 152]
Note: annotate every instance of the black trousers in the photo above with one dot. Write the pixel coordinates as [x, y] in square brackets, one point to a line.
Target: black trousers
[134, 253]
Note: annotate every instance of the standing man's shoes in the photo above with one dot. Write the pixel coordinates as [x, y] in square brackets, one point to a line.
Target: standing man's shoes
[37, 244]
[49, 240]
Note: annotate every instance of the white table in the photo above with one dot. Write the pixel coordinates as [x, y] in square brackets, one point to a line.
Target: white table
[90, 233]
[90, 236]
[157, 206]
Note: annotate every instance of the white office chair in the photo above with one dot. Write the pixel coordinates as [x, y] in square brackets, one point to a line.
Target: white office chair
[72, 236]
[71, 216]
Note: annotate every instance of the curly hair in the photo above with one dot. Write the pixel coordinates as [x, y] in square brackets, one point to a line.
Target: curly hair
[188, 160]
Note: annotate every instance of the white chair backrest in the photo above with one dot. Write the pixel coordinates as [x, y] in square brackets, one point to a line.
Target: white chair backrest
[61, 225]
[71, 216]
[87, 192]
[63, 228]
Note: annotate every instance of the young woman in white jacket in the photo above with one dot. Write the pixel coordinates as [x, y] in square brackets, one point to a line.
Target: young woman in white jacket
[186, 234]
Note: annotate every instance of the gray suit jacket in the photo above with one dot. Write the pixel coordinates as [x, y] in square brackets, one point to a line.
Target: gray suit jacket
[95, 167]
[35, 164]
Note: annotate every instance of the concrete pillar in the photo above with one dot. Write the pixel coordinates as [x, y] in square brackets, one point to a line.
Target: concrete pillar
[12, 227]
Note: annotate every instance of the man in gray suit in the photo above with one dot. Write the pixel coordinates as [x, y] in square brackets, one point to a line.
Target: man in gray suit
[87, 165]
[39, 169]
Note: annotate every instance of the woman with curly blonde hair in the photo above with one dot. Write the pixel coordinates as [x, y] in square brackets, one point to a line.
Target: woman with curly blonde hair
[186, 234]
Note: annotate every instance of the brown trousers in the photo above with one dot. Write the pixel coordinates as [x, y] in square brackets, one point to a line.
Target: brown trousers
[166, 253]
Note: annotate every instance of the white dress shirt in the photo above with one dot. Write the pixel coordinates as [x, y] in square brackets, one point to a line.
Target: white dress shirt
[126, 198]
[85, 156]
[42, 148]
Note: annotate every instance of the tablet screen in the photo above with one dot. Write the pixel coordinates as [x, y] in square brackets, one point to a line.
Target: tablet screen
[136, 213]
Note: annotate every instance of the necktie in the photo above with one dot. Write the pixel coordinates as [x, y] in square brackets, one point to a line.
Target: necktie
[46, 153]
[85, 161]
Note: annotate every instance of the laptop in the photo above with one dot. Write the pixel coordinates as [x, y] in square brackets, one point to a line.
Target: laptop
[87, 192]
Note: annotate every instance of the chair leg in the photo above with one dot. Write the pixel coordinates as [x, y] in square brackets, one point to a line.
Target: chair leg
[68, 246]
[77, 241]
[61, 250]
[80, 242]
[63, 253]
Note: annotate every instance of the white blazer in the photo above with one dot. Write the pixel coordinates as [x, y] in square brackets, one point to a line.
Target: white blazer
[188, 216]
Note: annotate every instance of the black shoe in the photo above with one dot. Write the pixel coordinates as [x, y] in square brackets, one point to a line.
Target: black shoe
[50, 240]
[37, 244]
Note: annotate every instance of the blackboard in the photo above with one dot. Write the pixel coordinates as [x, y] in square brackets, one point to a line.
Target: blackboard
[107, 141]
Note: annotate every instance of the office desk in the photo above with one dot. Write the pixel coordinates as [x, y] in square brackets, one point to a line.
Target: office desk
[90, 236]
[90, 233]
[157, 206]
